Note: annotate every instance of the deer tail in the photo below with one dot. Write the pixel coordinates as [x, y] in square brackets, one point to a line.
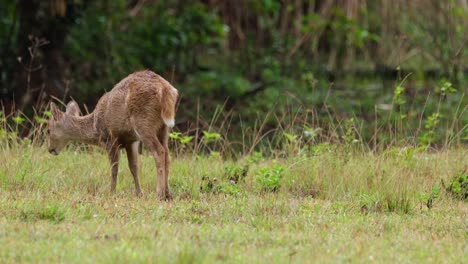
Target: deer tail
[168, 105]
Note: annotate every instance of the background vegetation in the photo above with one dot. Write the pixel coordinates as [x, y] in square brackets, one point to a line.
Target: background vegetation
[332, 130]
[385, 67]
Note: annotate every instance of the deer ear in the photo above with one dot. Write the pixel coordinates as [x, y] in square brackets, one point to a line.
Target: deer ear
[73, 109]
[56, 113]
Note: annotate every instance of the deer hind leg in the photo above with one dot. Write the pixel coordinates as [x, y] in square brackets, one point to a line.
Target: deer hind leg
[114, 157]
[132, 156]
[163, 138]
[151, 140]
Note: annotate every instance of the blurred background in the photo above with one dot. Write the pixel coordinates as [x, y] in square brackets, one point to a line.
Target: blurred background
[378, 66]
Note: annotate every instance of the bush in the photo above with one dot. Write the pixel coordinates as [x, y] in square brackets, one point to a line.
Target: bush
[269, 178]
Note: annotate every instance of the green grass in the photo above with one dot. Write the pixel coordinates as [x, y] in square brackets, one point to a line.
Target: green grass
[337, 205]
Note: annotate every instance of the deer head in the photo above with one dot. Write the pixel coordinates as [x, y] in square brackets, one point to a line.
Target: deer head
[58, 129]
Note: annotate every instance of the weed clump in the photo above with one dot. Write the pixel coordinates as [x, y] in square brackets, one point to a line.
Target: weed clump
[458, 187]
[53, 213]
[269, 178]
[236, 173]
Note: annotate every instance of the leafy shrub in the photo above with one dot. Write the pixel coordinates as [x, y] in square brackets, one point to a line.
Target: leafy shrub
[269, 178]
[211, 136]
[429, 197]
[458, 187]
[213, 185]
[256, 157]
[208, 184]
[236, 173]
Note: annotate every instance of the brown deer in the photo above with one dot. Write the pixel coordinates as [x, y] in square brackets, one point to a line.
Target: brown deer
[141, 107]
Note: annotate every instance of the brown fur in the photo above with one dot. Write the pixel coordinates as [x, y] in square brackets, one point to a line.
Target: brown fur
[141, 107]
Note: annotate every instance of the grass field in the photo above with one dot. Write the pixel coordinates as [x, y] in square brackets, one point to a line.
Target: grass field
[335, 205]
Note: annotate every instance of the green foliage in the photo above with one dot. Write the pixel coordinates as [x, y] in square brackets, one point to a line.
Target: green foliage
[2, 118]
[208, 184]
[259, 58]
[236, 173]
[310, 133]
[447, 88]
[370, 203]
[219, 186]
[429, 197]
[431, 123]
[458, 186]
[40, 120]
[180, 138]
[321, 149]
[211, 136]
[269, 178]
[398, 95]
[156, 39]
[51, 212]
[18, 120]
[397, 203]
[290, 137]
[350, 134]
[256, 157]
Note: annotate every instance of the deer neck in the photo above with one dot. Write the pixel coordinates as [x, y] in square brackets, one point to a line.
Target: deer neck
[82, 129]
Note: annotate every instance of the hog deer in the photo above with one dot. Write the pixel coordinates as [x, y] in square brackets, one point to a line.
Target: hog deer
[141, 107]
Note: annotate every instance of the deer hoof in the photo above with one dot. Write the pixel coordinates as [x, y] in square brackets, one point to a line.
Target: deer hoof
[164, 196]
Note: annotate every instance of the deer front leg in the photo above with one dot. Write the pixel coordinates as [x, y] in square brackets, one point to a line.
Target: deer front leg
[114, 157]
[132, 156]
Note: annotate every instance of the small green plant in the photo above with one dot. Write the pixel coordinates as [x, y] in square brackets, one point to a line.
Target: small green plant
[211, 136]
[370, 203]
[269, 178]
[458, 187]
[18, 120]
[236, 173]
[256, 157]
[398, 95]
[350, 135]
[397, 203]
[399, 101]
[292, 144]
[320, 149]
[231, 189]
[431, 123]
[311, 133]
[447, 88]
[2, 133]
[184, 140]
[2, 117]
[174, 135]
[40, 120]
[429, 197]
[51, 212]
[290, 137]
[216, 186]
[215, 155]
[208, 184]
[181, 141]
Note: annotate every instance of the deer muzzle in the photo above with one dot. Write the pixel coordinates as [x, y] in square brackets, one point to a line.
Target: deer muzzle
[53, 152]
